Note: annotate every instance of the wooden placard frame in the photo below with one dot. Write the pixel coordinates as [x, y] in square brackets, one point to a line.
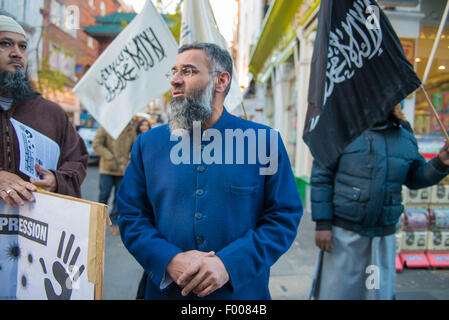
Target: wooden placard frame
[99, 218]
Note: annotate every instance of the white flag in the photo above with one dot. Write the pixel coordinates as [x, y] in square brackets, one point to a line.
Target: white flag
[130, 73]
[199, 25]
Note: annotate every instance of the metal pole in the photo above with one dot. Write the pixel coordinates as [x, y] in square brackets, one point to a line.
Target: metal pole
[436, 43]
[244, 111]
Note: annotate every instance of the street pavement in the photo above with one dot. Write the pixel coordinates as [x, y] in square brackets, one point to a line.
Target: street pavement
[291, 275]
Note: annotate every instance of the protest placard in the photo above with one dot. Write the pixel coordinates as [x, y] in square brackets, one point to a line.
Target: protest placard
[52, 249]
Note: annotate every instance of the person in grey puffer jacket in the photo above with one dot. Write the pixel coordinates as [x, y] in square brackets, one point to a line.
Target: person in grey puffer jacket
[357, 204]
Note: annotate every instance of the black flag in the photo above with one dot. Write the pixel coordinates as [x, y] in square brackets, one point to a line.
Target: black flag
[359, 73]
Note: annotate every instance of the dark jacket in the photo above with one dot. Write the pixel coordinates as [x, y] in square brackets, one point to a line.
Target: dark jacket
[49, 119]
[114, 153]
[362, 192]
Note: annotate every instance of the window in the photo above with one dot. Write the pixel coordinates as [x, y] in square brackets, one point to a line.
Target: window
[425, 123]
[90, 42]
[21, 10]
[91, 3]
[72, 23]
[63, 18]
[62, 62]
[1, 4]
[103, 8]
[56, 13]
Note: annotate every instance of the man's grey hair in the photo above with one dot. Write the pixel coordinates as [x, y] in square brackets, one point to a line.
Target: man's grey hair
[219, 59]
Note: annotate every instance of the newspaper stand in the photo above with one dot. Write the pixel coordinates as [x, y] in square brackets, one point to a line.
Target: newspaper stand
[414, 228]
[438, 241]
[415, 225]
[437, 251]
[399, 263]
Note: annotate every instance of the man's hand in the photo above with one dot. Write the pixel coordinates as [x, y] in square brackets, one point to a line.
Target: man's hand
[323, 240]
[204, 276]
[182, 261]
[48, 179]
[444, 154]
[14, 190]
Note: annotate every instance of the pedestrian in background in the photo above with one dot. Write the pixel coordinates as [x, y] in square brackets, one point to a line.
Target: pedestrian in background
[206, 230]
[114, 158]
[357, 204]
[19, 102]
[143, 126]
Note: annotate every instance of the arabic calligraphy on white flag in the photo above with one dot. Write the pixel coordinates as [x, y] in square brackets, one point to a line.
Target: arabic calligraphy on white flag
[199, 25]
[130, 73]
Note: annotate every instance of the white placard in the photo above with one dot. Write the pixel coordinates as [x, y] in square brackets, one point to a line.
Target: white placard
[43, 250]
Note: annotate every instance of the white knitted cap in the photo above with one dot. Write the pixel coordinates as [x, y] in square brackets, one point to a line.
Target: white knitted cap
[10, 25]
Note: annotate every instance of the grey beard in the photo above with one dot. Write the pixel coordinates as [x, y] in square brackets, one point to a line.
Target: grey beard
[15, 85]
[196, 108]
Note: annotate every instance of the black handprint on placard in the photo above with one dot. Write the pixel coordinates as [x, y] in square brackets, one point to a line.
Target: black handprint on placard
[60, 273]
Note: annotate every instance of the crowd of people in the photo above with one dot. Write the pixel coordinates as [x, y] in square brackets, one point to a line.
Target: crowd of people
[210, 230]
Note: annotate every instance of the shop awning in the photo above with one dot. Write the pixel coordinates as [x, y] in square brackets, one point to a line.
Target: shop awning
[110, 25]
[277, 25]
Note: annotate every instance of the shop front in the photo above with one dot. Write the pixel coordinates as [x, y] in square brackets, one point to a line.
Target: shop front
[281, 60]
[427, 130]
[280, 63]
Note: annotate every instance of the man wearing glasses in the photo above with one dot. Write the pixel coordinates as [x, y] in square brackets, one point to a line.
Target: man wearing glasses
[207, 229]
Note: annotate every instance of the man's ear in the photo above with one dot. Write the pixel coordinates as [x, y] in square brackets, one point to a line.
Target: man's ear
[222, 81]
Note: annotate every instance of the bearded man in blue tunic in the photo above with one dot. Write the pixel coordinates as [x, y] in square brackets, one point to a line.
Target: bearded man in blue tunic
[208, 202]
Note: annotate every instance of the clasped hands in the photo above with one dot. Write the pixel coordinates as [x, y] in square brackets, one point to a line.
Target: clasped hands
[14, 190]
[199, 272]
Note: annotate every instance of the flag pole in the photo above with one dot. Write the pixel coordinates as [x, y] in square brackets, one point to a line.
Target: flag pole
[244, 111]
[435, 113]
[436, 43]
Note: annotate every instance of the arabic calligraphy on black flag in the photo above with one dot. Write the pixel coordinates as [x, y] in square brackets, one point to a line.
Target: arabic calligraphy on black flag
[359, 73]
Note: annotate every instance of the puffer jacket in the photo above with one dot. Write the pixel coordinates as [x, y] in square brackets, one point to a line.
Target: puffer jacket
[114, 153]
[362, 193]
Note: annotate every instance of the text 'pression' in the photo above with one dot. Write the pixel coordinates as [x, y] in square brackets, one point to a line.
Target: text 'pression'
[29, 228]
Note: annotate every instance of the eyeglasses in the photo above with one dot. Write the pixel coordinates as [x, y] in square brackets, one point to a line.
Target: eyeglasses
[185, 72]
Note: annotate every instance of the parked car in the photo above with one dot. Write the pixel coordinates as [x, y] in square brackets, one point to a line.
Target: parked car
[88, 135]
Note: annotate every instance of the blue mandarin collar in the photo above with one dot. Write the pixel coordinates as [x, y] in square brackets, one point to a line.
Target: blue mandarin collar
[223, 122]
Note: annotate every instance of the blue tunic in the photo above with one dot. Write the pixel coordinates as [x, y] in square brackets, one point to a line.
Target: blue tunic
[247, 218]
